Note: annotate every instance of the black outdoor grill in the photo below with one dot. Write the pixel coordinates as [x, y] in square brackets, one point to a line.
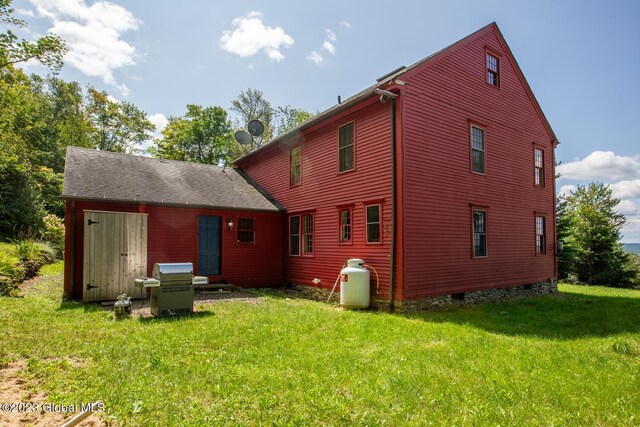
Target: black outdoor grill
[174, 295]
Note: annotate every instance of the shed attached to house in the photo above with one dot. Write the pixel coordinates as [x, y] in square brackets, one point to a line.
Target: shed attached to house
[124, 213]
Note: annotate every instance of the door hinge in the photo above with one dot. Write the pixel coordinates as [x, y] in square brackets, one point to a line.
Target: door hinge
[89, 222]
[89, 286]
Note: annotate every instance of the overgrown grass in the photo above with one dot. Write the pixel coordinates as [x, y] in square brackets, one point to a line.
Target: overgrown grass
[571, 359]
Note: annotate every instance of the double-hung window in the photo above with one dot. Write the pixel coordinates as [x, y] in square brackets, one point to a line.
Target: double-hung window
[374, 234]
[301, 234]
[493, 70]
[345, 148]
[541, 240]
[477, 150]
[538, 160]
[294, 167]
[345, 225]
[479, 233]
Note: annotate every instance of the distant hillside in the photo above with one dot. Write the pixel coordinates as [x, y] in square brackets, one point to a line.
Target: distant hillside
[632, 247]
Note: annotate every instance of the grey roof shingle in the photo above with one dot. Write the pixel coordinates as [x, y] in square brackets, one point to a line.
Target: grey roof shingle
[101, 175]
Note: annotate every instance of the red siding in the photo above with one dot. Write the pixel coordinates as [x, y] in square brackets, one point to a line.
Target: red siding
[323, 190]
[172, 238]
[439, 102]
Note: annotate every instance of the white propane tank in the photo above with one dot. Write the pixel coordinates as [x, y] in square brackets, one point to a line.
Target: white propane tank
[354, 285]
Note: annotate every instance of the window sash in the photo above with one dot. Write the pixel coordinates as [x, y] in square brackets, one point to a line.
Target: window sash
[373, 224]
[307, 234]
[345, 225]
[294, 235]
[246, 230]
[477, 150]
[539, 167]
[541, 241]
[345, 147]
[295, 166]
[479, 233]
[492, 70]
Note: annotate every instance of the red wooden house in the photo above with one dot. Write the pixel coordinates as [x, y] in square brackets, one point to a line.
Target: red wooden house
[440, 176]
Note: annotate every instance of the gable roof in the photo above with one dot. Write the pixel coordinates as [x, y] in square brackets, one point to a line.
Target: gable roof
[102, 175]
[387, 79]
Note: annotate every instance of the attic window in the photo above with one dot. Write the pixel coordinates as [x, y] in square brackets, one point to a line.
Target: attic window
[345, 147]
[493, 70]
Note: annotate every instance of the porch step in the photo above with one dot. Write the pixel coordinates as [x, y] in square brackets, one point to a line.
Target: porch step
[214, 287]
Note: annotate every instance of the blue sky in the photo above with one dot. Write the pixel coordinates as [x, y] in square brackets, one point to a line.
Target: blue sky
[581, 58]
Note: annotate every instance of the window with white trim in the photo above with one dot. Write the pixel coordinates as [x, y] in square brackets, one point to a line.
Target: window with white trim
[295, 169]
[307, 234]
[345, 225]
[294, 235]
[493, 70]
[538, 160]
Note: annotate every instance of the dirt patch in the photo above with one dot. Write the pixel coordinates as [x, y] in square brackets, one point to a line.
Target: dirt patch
[29, 408]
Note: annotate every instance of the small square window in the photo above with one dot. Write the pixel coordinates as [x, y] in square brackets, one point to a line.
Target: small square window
[477, 150]
[493, 70]
[345, 148]
[373, 224]
[246, 230]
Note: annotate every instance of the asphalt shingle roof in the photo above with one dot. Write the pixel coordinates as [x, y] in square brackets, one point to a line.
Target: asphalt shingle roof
[101, 175]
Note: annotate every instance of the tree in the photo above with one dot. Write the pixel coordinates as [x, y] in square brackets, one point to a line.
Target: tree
[119, 126]
[252, 105]
[288, 118]
[47, 50]
[594, 236]
[203, 135]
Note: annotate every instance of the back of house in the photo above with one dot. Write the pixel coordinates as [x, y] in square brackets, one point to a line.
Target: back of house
[440, 176]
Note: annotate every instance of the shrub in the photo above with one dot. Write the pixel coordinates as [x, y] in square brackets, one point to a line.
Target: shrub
[54, 232]
[11, 272]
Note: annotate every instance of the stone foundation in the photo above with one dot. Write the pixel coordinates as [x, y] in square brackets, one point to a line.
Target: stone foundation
[440, 301]
[474, 297]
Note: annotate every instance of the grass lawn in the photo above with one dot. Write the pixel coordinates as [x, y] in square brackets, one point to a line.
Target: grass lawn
[571, 359]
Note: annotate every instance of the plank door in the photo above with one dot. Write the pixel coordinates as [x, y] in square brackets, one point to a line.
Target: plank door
[209, 245]
[115, 253]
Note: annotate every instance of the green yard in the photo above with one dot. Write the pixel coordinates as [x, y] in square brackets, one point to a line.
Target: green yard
[571, 359]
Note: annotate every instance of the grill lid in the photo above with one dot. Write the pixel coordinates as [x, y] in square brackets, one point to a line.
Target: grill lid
[167, 270]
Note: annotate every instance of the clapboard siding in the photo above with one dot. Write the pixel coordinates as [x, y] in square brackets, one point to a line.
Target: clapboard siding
[172, 237]
[323, 189]
[440, 101]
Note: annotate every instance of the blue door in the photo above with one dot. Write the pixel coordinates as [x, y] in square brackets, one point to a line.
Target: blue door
[209, 234]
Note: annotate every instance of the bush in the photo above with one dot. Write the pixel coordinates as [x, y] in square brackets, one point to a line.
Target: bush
[11, 272]
[54, 232]
[633, 266]
[21, 260]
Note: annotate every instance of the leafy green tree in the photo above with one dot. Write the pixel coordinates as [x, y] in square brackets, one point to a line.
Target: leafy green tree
[203, 135]
[566, 254]
[594, 235]
[47, 50]
[288, 118]
[119, 126]
[252, 105]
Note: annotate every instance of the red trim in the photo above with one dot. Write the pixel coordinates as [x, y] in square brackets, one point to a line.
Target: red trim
[348, 242]
[353, 145]
[299, 182]
[475, 208]
[366, 224]
[476, 125]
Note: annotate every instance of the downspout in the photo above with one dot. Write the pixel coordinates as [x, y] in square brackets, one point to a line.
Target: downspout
[392, 115]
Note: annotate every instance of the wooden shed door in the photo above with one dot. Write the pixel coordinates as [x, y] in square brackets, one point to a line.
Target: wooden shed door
[115, 253]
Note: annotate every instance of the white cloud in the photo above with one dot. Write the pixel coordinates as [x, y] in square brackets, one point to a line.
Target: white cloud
[93, 36]
[628, 208]
[626, 189]
[315, 57]
[330, 35]
[566, 189]
[329, 47]
[25, 12]
[345, 24]
[251, 36]
[159, 120]
[605, 165]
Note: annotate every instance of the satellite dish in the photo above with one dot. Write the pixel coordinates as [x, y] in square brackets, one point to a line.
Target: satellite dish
[256, 128]
[242, 137]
